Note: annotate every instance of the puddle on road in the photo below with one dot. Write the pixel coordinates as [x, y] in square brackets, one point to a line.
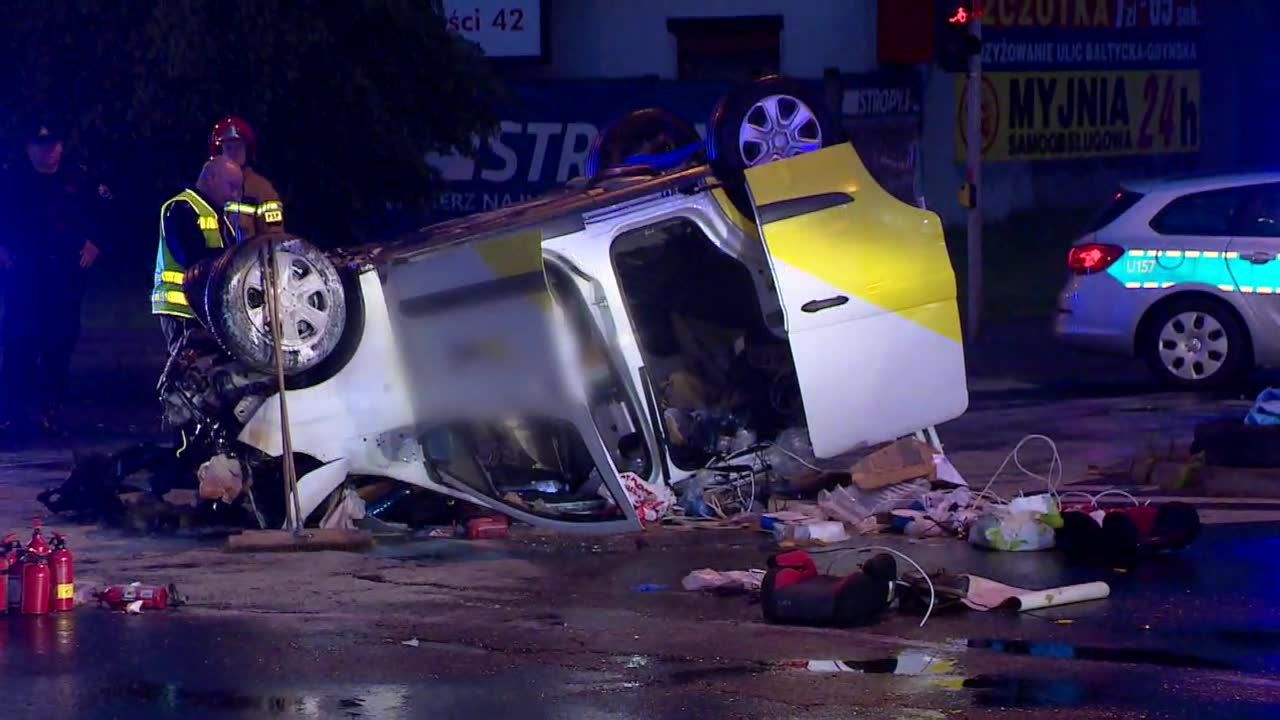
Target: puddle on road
[1017, 691]
[176, 697]
[1132, 656]
[908, 662]
[382, 702]
[993, 690]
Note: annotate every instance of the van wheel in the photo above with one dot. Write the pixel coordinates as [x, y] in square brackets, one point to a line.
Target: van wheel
[1195, 344]
[313, 306]
[773, 118]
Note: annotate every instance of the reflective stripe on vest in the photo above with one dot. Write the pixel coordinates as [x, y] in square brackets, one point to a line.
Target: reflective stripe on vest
[167, 297]
[271, 211]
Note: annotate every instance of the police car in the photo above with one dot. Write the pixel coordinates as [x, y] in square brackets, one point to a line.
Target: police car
[1182, 273]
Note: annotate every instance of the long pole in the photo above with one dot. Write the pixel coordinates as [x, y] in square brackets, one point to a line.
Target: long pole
[973, 138]
[270, 275]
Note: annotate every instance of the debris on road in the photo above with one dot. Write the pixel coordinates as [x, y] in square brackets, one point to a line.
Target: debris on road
[1025, 524]
[349, 508]
[488, 528]
[146, 597]
[1116, 536]
[793, 592]
[651, 502]
[985, 595]
[907, 459]
[650, 588]
[729, 581]
[411, 642]
[312, 540]
[853, 506]
[1266, 408]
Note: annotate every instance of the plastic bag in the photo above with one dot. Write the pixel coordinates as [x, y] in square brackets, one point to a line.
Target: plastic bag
[788, 455]
[1266, 409]
[1025, 524]
[851, 505]
[652, 502]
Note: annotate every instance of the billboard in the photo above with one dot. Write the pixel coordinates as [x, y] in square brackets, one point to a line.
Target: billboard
[1063, 115]
[1065, 79]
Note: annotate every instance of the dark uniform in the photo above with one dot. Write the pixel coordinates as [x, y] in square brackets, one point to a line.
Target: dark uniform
[191, 230]
[48, 218]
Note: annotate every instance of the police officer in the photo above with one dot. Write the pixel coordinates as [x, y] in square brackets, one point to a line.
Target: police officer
[54, 216]
[233, 138]
[192, 228]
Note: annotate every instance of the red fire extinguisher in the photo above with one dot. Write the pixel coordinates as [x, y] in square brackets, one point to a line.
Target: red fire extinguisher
[153, 597]
[62, 566]
[13, 583]
[36, 579]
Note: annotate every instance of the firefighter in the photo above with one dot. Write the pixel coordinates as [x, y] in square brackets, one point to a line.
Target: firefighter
[233, 138]
[192, 228]
[54, 217]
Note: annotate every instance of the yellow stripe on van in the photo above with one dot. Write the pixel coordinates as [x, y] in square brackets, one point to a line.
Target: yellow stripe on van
[877, 248]
[518, 253]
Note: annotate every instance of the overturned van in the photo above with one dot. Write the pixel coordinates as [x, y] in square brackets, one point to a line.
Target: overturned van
[645, 320]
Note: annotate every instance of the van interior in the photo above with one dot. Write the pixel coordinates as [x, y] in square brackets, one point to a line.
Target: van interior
[723, 380]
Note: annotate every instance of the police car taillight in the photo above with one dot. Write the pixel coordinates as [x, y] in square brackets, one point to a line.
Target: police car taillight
[1092, 258]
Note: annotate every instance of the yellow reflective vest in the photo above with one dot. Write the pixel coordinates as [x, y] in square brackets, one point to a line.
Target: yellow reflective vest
[167, 296]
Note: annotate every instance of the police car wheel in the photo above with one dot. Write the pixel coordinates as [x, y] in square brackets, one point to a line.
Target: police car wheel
[770, 119]
[313, 305]
[643, 132]
[1195, 344]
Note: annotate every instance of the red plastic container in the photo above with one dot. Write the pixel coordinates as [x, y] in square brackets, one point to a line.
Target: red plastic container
[488, 528]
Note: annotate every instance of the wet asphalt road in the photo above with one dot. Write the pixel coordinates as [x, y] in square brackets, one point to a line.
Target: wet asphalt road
[1195, 635]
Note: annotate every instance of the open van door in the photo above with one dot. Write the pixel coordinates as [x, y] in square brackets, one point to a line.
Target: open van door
[868, 296]
[498, 400]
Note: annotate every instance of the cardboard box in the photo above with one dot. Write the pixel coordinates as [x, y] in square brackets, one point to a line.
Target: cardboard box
[897, 462]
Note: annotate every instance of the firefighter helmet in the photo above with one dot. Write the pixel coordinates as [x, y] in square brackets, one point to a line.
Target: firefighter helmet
[232, 128]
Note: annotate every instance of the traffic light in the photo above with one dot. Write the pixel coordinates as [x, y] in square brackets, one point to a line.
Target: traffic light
[956, 42]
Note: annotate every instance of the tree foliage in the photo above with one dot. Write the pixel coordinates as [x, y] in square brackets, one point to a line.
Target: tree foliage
[346, 97]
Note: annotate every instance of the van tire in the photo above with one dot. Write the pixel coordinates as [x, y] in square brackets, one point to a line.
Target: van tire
[236, 312]
[765, 120]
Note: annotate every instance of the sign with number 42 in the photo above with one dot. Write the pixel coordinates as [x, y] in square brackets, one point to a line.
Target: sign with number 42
[502, 28]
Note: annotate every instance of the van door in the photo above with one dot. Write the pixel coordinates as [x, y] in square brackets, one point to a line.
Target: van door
[498, 397]
[868, 297]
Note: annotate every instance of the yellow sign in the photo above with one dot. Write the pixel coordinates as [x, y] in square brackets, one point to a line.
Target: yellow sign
[1061, 115]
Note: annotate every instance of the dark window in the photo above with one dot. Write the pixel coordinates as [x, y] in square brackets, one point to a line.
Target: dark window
[1203, 213]
[1118, 205]
[732, 49]
[1259, 215]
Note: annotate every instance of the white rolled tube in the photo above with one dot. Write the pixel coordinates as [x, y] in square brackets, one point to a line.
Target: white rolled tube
[1053, 597]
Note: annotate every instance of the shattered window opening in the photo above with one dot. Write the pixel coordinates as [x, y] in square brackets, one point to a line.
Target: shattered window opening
[719, 373]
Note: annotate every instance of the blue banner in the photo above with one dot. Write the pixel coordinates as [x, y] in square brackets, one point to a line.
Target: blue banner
[548, 127]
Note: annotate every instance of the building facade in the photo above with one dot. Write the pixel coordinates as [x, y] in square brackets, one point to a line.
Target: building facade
[1078, 95]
